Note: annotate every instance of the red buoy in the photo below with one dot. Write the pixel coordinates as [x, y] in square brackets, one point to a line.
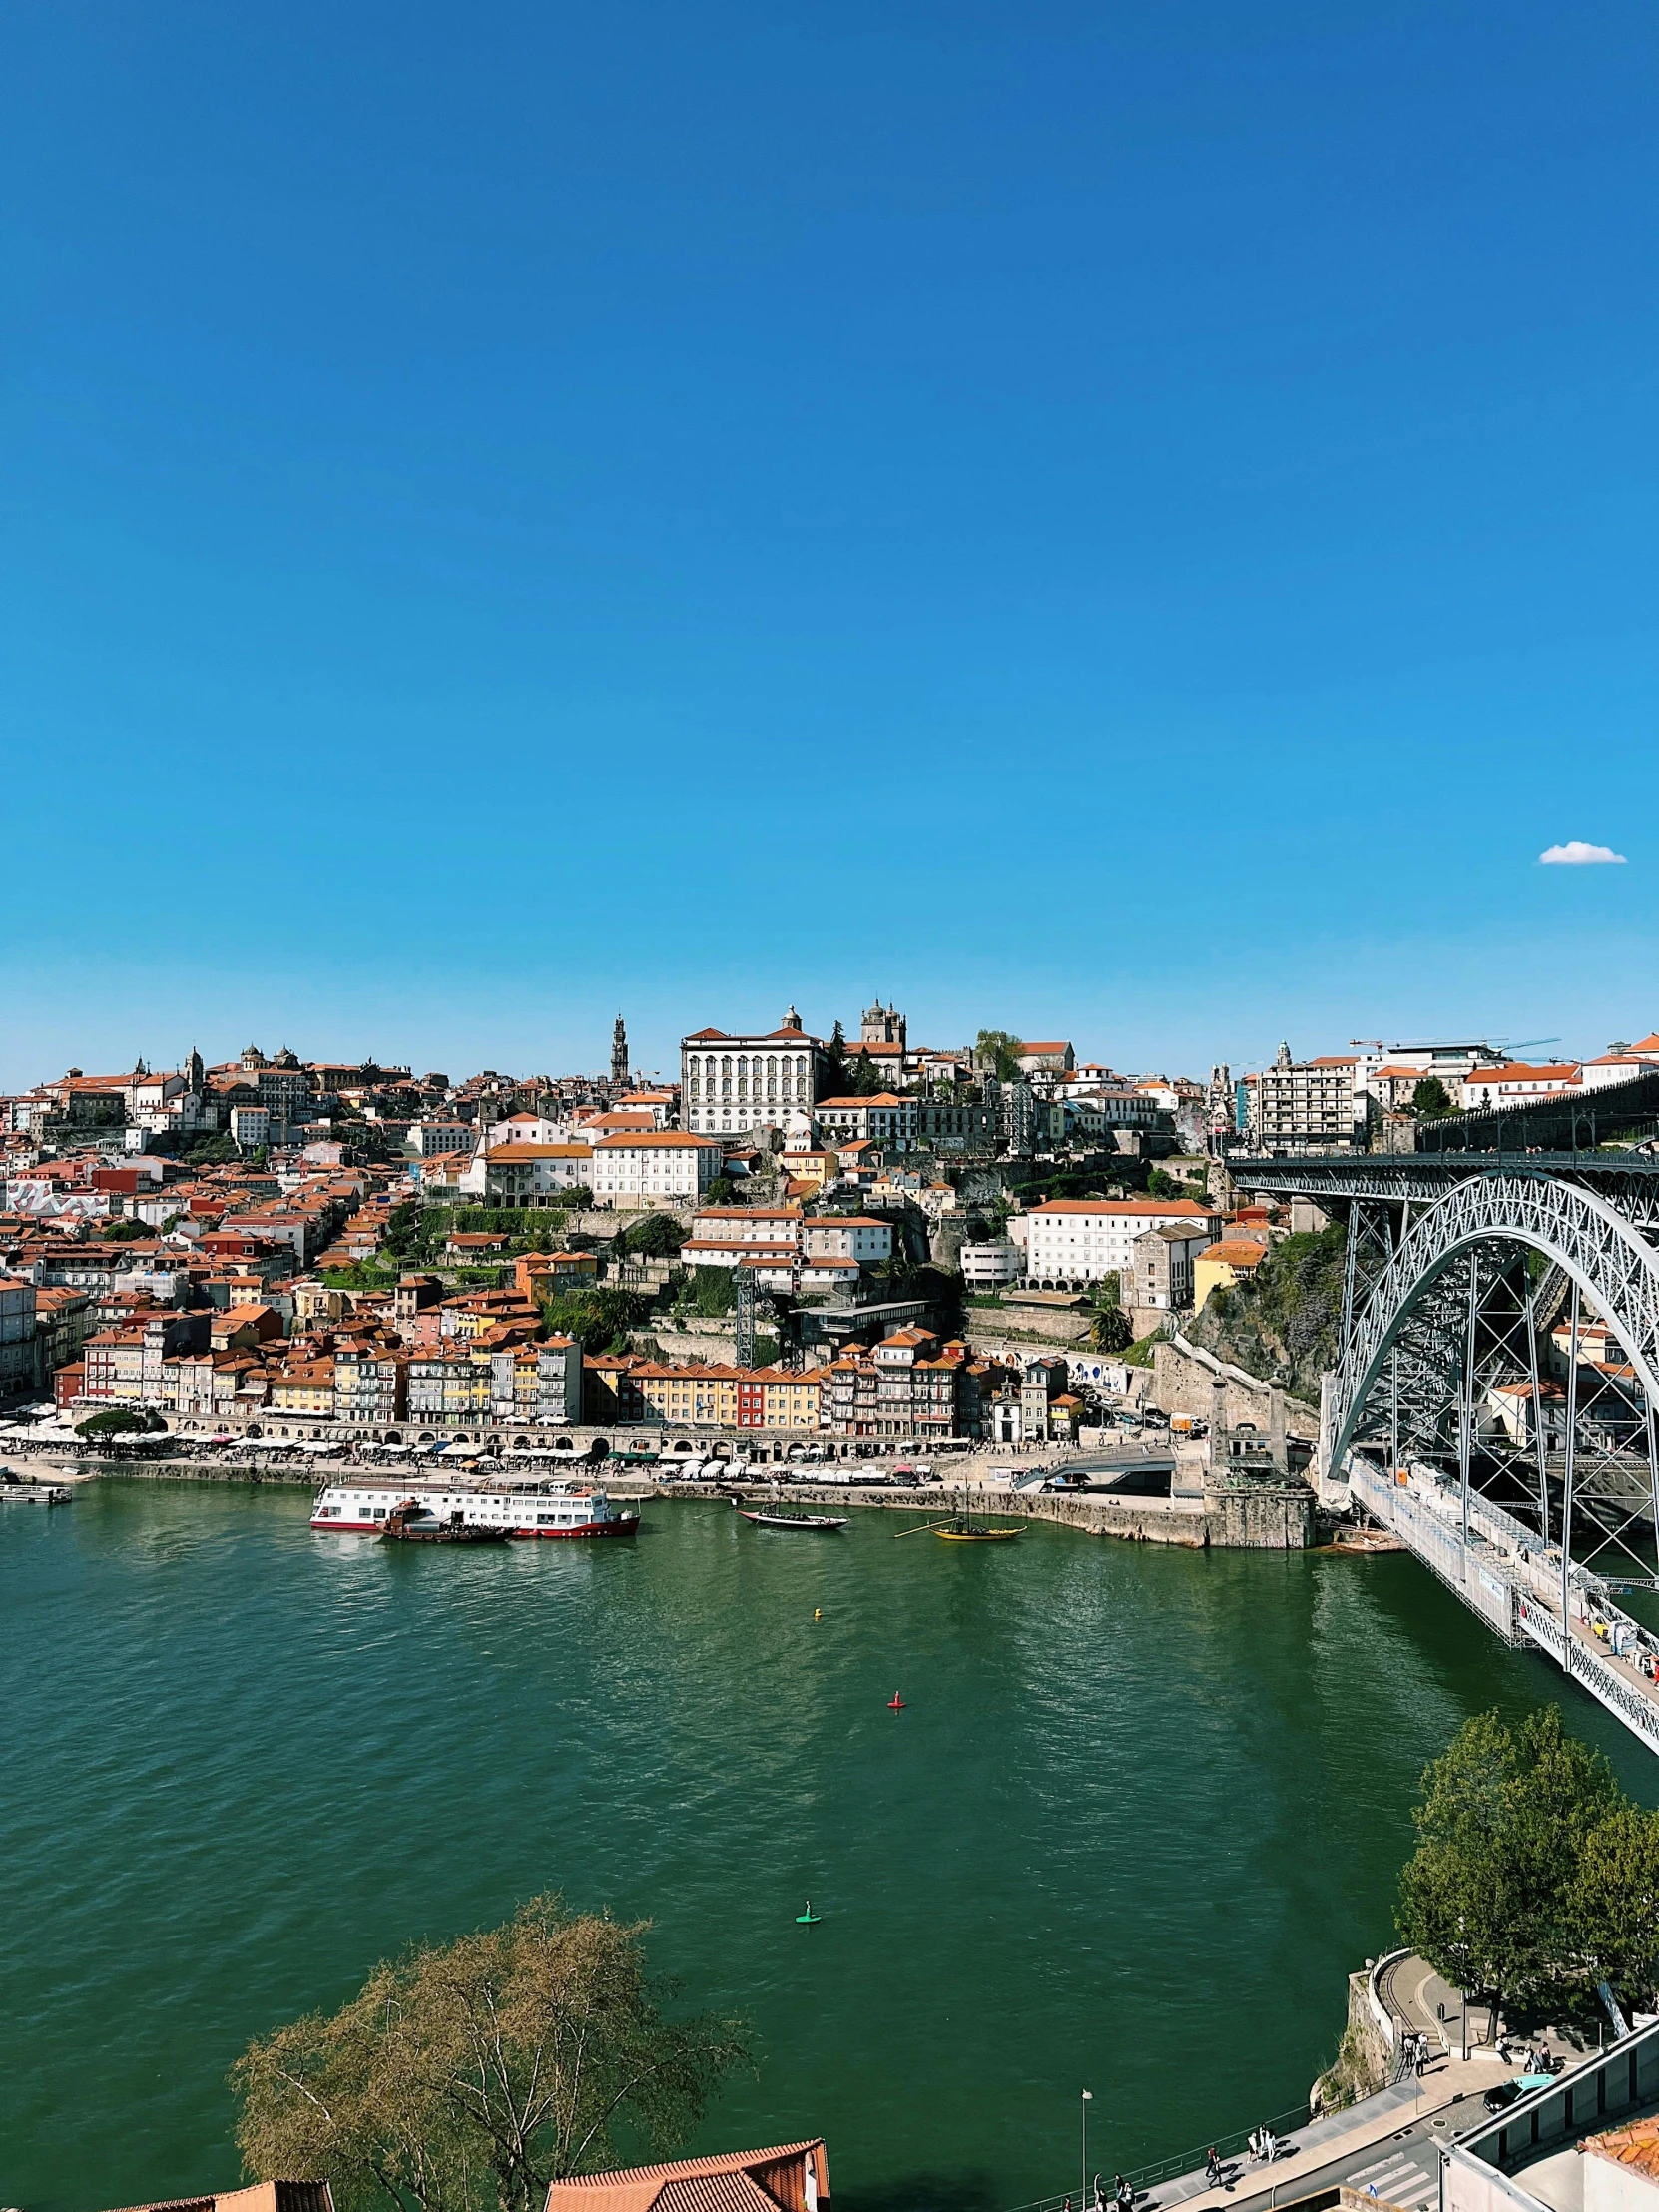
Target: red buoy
[896, 1704]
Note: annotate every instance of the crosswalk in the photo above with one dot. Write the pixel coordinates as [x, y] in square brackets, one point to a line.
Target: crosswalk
[1400, 2178]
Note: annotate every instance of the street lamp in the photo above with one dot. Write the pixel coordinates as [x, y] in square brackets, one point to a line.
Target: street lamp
[1083, 2191]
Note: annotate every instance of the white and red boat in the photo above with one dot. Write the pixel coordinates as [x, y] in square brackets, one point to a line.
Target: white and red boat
[524, 1509]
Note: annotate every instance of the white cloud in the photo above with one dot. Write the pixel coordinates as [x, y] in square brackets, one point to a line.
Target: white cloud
[1581, 855]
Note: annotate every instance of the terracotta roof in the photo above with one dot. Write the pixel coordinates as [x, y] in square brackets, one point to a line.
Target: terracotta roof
[1515, 1071]
[735, 2182]
[880, 1098]
[1178, 1208]
[518, 1155]
[677, 1138]
[1635, 2146]
[1239, 1253]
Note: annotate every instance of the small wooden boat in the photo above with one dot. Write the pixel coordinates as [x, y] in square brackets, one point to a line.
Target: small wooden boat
[966, 1533]
[766, 1518]
[410, 1524]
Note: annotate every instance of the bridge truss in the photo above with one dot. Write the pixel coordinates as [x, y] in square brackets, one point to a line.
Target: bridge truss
[1496, 1393]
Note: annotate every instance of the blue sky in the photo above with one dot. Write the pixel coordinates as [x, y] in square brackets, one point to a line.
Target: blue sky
[1126, 522]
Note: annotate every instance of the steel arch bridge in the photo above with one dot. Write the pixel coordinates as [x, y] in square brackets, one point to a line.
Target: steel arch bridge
[1495, 1394]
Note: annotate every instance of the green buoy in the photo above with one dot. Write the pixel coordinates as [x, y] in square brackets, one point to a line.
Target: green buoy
[808, 1919]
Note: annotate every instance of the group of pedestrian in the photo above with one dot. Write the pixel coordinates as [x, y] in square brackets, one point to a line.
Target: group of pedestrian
[1415, 2049]
[1265, 2145]
[1123, 2196]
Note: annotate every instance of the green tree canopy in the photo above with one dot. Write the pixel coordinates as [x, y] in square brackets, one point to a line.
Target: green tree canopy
[467, 2076]
[126, 1230]
[1489, 1897]
[121, 1421]
[656, 1236]
[1615, 1904]
[601, 1315]
[713, 1291]
[1001, 1049]
[1112, 1330]
[1431, 1100]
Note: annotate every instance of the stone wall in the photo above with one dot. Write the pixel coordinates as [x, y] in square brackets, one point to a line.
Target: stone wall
[1183, 1378]
[1364, 2058]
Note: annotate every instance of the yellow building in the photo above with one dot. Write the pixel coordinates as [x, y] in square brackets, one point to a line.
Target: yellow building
[305, 1390]
[1220, 1266]
[791, 1400]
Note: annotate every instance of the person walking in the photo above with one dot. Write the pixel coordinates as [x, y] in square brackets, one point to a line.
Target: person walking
[1212, 2168]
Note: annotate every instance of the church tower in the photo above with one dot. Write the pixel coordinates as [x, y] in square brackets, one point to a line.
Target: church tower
[193, 1073]
[619, 1052]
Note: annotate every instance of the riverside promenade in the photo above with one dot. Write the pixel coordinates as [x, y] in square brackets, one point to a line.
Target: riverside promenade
[1385, 2148]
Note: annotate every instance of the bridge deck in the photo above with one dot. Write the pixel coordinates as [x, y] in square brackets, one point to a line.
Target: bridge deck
[1514, 1584]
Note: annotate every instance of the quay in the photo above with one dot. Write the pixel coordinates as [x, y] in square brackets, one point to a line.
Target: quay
[1423, 2142]
[1136, 1497]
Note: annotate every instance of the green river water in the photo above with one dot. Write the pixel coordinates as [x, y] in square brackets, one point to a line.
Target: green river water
[1142, 1814]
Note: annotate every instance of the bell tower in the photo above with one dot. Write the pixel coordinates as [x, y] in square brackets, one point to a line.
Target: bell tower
[619, 1052]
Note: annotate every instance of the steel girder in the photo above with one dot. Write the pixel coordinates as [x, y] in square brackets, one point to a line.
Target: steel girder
[1588, 1239]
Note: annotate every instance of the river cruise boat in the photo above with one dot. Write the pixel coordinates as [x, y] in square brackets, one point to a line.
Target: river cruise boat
[364, 1505]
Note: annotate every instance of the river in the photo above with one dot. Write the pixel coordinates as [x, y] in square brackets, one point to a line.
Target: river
[1142, 1813]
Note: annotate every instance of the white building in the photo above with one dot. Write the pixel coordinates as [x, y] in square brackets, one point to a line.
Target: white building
[883, 1119]
[1613, 1067]
[857, 1237]
[733, 1084]
[1053, 1057]
[516, 1129]
[1082, 1239]
[250, 1126]
[529, 1174]
[987, 1267]
[1313, 1106]
[726, 1236]
[654, 1166]
[1517, 1084]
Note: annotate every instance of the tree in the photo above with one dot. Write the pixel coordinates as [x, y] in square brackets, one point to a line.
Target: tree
[1113, 1331]
[467, 2076]
[402, 1231]
[713, 1291]
[1488, 1896]
[1431, 1100]
[1615, 1904]
[836, 1054]
[119, 1420]
[126, 1231]
[869, 1080]
[601, 1316]
[1001, 1050]
[208, 1152]
[658, 1237]
[721, 1192]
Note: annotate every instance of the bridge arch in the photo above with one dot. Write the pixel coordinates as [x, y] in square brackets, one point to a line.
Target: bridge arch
[1594, 1244]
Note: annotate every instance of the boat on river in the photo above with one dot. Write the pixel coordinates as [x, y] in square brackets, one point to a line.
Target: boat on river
[412, 1523]
[771, 1517]
[363, 1505]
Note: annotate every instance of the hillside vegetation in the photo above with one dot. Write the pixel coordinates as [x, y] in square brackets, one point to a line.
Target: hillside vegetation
[1284, 1319]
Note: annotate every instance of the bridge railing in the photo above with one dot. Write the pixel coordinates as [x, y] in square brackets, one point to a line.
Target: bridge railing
[1140, 2178]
